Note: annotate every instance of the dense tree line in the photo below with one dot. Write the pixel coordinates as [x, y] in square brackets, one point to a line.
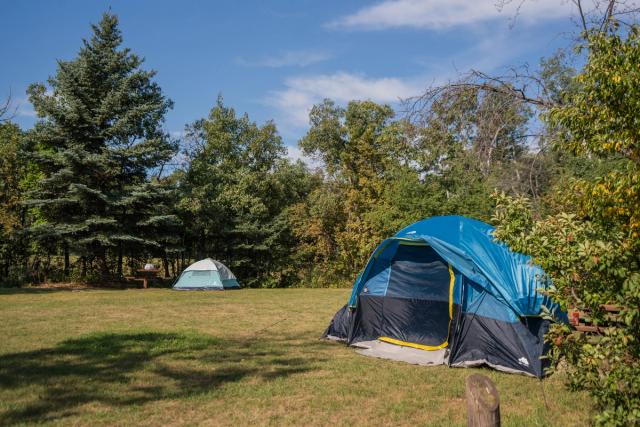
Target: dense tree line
[234, 195]
[97, 187]
[93, 191]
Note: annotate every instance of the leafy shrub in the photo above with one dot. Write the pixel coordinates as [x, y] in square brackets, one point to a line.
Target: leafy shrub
[590, 247]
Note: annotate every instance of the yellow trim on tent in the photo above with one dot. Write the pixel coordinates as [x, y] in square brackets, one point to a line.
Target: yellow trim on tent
[414, 345]
[402, 241]
[452, 282]
[411, 242]
[379, 250]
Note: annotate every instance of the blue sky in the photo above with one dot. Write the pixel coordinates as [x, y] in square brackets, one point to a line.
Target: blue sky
[274, 59]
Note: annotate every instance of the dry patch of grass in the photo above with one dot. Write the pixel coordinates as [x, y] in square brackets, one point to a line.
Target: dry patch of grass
[159, 357]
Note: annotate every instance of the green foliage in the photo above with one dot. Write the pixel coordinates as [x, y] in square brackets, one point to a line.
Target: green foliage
[12, 169]
[601, 118]
[100, 150]
[558, 78]
[359, 146]
[16, 176]
[98, 140]
[589, 246]
[235, 194]
[383, 173]
[470, 142]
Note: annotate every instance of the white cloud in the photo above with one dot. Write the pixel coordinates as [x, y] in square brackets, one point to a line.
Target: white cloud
[295, 153]
[291, 58]
[25, 109]
[438, 14]
[301, 93]
[177, 134]
[490, 52]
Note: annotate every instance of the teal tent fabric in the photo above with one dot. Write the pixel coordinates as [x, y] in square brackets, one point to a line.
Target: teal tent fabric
[199, 279]
[207, 274]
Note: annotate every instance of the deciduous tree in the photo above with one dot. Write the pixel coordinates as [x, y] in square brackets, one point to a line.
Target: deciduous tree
[590, 246]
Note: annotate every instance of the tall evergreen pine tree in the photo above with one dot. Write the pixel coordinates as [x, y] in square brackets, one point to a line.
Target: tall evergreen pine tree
[100, 137]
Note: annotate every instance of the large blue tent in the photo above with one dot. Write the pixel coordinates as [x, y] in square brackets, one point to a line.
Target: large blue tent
[445, 284]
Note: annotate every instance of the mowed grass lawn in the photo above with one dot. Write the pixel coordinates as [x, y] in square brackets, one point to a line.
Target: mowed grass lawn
[248, 357]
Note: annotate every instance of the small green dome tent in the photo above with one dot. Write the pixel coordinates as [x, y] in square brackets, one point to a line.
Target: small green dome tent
[206, 274]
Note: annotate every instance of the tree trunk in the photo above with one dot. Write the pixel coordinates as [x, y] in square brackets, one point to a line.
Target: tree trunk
[66, 260]
[25, 266]
[34, 270]
[83, 271]
[483, 403]
[119, 259]
[165, 263]
[47, 268]
[103, 265]
[130, 265]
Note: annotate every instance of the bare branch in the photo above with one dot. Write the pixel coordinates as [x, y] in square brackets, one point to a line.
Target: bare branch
[518, 85]
[606, 19]
[583, 19]
[7, 110]
[603, 13]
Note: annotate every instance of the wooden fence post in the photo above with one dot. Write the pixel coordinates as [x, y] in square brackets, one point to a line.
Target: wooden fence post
[483, 402]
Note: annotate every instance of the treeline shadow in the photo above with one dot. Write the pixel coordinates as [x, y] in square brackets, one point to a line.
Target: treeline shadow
[36, 290]
[19, 291]
[132, 369]
[112, 287]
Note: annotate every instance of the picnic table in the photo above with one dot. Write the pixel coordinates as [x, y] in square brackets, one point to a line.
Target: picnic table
[581, 320]
[145, 275]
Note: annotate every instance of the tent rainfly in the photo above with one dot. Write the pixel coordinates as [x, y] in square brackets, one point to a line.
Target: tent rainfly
[206, 274]
[444, 291]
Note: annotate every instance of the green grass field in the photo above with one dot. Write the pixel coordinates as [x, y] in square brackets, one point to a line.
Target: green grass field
[160, 357]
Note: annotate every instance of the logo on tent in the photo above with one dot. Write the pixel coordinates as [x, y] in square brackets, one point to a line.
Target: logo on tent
[523, 361]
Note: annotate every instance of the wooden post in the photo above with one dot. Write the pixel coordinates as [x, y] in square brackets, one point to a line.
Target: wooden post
[483, 402]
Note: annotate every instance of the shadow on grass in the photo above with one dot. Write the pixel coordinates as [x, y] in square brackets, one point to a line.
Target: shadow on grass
[131, 369]
[118, 286]
[18, 291]
[36, 290]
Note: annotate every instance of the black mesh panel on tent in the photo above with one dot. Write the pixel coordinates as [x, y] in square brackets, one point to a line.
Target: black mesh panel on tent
[418, 272]
[413, 321]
